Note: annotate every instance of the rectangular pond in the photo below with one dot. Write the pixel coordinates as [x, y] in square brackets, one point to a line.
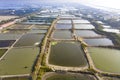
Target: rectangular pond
[16, 78]
[12, 31]
[20, 26]
[105, 59]
[63, 26]
[81, 21]
[99, 42]
[84, 26]
[29, 40]
[67, 54]
[86, 33]
[37, 31]
[62, 34]
[64, 21]
[18, 61]
[69, 76]
[6, 43]
[40, 27]
[2, 51]
[9, 36]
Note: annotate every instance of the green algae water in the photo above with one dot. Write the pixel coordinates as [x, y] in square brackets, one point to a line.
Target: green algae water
[107, 60]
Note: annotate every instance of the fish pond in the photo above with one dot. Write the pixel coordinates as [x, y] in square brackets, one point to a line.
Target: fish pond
[64, 21]
[16, 78]
[62, 34]
[40, 27]
[19, 26]
[86, 33]
[68, 76]
[2, 51]
[37, 31]
[105, 59]
[67, 54]
[18, 61]
[84, 26]
[7, 36]
[81, 21]
[63, 26]
[29, 40]
[6, 43]
[99, 42]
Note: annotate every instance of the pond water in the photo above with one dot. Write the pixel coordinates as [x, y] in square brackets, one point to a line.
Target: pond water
[86, 33]
[106, 59]
[9, 36]
[62, 34]
[84, 26]
[64, 21]
[16, 31]
[67, 54]
[29, 40]
[37, 31]
[99, 42]
[81, 21]
[63, 26]
[6, 43]
[2, 51]
[19, 26]
[16, 78]
[40, 27]
[66, 76]
[18, 61]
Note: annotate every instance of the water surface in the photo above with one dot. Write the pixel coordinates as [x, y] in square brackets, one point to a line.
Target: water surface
[86, 33]
[63, 26]
[18, 61]
[99, 42]
[62, 34]
[67, 54]
[84, 26]
[107, 60]
[70, 77]
[29, 40]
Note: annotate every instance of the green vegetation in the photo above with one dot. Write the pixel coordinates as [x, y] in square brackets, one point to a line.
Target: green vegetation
[42, 71]
[2, 51]
[54, 43]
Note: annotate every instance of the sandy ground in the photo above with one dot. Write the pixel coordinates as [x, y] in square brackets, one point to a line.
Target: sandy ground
[7, 17]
